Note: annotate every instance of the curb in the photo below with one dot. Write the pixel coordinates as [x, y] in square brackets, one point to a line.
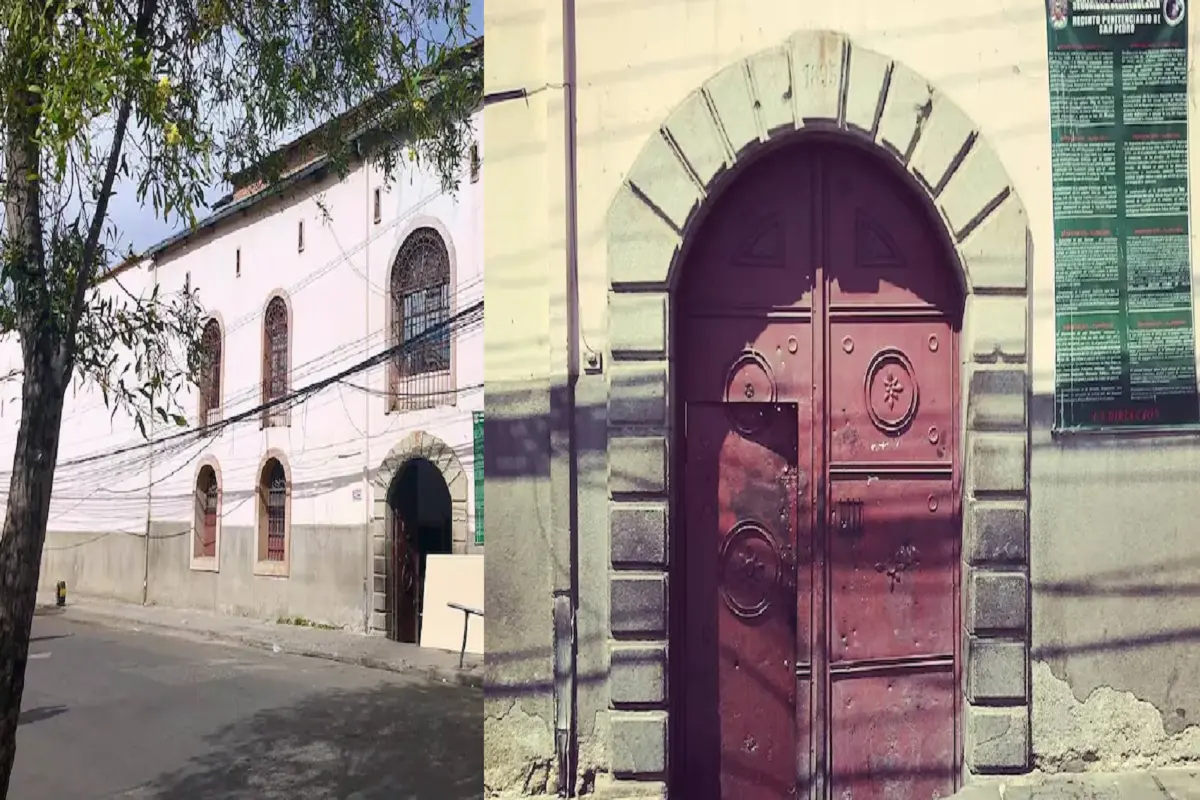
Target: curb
[456, 677]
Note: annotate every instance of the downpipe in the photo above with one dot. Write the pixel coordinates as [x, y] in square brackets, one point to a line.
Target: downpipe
[566, 587]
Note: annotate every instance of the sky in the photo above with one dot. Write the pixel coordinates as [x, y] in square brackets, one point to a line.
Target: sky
[140, 228]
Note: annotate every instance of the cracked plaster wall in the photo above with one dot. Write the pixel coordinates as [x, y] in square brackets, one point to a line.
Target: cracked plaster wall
[1106, 731]
[1115, 583]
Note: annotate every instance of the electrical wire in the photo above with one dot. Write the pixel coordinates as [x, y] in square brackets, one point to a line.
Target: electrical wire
[469, 316]
[69, 467]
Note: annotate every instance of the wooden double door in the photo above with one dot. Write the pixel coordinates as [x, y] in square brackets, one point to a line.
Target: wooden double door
[816, 623]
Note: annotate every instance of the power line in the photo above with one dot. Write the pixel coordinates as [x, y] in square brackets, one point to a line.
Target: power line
[470, 317]
[467, 316]
[338, 354]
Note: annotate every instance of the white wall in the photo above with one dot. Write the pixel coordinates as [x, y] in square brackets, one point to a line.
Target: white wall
[337, 289]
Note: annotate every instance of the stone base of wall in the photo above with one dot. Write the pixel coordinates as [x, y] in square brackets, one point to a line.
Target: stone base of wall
[325, 580]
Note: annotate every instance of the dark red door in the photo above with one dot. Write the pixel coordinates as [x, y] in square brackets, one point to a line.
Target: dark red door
[818, 609]
[405, 581]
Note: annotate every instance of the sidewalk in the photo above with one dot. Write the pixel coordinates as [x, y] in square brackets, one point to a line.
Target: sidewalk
[375, 652]
[1154, 784]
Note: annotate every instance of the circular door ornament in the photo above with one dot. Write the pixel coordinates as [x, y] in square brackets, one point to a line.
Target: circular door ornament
[749, 569]
[891, 391]
[750, 379]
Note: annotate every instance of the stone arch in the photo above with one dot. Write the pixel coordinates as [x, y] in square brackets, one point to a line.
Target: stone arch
[417, 444]
[823, 83]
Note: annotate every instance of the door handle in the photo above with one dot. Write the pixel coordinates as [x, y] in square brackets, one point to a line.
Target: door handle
[846, 518]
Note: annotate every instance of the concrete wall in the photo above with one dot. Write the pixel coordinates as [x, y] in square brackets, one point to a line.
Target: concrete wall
[523, 255]
[337, 440]
[326, 581]
[1113, 604]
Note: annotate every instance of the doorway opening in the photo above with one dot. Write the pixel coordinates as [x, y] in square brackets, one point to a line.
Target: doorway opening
[420, 514]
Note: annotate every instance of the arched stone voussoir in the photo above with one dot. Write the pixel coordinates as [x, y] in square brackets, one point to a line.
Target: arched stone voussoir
[996, 255]
[664, 180]
[732, 101]
[943, 135]
[907, 106]
[865, 80]
[818, 60]
[641, 245]
[419, 444]
[698, 136]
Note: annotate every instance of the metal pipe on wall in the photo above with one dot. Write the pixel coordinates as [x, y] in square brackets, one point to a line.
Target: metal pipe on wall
[150, 481]
[368, 501]
[566, 586]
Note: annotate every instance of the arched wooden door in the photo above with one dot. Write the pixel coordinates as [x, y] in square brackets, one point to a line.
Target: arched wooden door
[406, 582]
[816, 636]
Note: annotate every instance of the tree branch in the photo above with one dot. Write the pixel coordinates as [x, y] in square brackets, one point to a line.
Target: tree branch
[87, 269]
[22, 185]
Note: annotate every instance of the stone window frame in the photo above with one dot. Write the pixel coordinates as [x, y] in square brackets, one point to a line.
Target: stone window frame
[822, 81]
[263, 566]
[201, 563]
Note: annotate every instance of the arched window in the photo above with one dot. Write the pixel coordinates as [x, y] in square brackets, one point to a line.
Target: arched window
[273, 519]
[210, 373]
[421, 374]
[208, 492]
[275, 362]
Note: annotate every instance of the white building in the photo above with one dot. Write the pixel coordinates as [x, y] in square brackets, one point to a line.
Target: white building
[290, 513]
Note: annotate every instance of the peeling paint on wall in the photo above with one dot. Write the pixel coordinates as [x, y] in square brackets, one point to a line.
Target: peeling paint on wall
[1108, 731]
[515, 763]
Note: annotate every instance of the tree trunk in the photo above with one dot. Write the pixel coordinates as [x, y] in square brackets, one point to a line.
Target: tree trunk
[34, 460]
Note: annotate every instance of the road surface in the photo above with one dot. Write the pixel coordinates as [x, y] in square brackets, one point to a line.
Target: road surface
[111, 713]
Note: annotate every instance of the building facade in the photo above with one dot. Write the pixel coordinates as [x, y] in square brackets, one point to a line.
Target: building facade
[330, 443]
[797, 504]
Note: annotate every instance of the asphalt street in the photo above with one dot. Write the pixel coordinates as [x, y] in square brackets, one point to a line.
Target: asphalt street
[130, 714]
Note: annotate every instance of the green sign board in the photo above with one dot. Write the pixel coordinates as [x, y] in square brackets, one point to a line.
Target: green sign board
[477, 417]
[1124, 329]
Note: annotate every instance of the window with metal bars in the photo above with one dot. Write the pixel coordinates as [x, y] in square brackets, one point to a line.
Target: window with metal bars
[275, 363]
[210, 373]
[421, 371]
[274, 488]
[207, 494]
